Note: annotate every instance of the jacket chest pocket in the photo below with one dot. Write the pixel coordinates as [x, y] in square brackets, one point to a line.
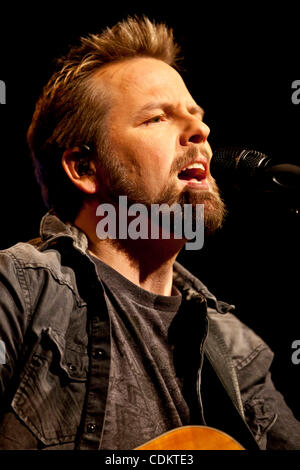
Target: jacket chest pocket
[51, 392]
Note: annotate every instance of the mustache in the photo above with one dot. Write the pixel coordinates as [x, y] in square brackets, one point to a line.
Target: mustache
[190, 156]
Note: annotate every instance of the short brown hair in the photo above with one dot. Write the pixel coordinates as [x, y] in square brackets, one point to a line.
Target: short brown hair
[69, 113]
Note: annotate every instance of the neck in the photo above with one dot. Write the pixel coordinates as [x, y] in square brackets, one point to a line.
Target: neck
[147, 263]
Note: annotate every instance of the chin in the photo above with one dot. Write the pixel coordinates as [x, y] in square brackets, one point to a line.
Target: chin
[214, 207]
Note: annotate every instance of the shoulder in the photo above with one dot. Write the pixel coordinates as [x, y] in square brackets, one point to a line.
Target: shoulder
[37, 268]
[28, 254]
[250, 354]
[241, 340]
[32, 257]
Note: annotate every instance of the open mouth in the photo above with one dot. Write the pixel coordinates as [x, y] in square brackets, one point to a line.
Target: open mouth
[195, 172]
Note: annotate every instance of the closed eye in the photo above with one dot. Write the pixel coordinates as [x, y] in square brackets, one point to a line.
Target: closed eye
[155, 119]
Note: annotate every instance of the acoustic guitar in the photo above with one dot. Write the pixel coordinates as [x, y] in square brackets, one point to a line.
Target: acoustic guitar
[192, 438]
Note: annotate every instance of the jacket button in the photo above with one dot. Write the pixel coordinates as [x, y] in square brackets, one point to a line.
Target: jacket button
[91, 427]
[98, 354]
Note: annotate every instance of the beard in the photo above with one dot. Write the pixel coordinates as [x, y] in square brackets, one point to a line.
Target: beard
[116, 182]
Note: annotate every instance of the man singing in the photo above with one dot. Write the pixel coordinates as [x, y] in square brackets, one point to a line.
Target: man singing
[109, 342]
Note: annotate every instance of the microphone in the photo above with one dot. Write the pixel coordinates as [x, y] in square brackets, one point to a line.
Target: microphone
[242, 168]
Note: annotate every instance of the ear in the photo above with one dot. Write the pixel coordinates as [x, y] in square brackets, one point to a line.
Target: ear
[86, 181]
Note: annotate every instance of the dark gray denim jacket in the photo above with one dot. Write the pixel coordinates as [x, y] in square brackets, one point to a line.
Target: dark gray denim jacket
[55, 328]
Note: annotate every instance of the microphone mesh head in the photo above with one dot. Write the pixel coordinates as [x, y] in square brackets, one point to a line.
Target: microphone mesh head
[233, 161]
[251, 160]
[224, 158]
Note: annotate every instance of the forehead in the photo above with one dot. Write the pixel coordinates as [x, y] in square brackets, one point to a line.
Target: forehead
[136, 80]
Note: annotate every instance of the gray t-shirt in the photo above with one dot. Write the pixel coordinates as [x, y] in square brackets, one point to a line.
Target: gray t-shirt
[144, 395]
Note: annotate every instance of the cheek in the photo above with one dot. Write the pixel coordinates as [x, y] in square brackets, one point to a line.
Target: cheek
[157, 153]
[146, 155]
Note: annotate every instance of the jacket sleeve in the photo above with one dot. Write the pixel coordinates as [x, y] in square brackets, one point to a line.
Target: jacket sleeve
[270, 418]
[285, 434]
[267, 414]
[14, 310]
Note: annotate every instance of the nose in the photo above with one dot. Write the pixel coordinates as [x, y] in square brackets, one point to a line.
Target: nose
[195, 131]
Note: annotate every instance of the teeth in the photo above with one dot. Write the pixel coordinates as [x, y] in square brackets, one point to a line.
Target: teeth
[194, 165]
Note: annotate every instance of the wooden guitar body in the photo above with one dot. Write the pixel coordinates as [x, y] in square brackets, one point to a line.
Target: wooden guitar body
[192, 438]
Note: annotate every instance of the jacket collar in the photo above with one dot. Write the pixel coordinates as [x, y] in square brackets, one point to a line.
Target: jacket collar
[53, 228]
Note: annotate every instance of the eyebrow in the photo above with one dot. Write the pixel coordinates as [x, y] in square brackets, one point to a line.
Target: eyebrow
[193, 109]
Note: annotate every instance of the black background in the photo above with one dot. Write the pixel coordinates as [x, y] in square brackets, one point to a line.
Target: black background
[240, 63]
